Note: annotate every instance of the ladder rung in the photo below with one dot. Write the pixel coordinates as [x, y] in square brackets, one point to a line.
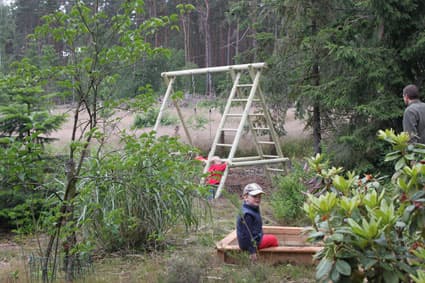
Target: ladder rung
[261, 129]
[266, 142]
[234, 115]
[275, 169]
[224, 145]
[228, 130]
[256, 114]
[270, 156]
[245, 85]
[244, 100]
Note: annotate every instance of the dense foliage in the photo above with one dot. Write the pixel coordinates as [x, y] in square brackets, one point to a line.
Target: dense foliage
[130, 198]
[342, 63]
[371, 228]
[79, 54]
[23, 187]
[25, 125]
[287, 201]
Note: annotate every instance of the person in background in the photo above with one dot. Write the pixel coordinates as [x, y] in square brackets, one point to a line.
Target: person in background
[249, 225]
[215, 172]
[414, 114]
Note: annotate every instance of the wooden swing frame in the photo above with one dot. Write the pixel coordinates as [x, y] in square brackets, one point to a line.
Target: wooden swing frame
[254, 70]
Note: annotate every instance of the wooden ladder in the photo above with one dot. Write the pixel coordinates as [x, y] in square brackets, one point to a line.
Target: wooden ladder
[247, 95]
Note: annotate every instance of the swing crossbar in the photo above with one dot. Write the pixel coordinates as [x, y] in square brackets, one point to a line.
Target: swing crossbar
[219, 69]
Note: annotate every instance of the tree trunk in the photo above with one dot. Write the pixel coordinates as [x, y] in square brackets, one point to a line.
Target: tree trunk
[317, 133]
[228, 44]
[316, 123]
[237, 40]
[186, 37]
[207, 44]
[66, 216]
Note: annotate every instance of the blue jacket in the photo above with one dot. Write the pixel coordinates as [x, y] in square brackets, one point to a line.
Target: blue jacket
[249, 228]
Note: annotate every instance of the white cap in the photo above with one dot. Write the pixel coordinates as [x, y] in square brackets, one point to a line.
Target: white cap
[253, 189]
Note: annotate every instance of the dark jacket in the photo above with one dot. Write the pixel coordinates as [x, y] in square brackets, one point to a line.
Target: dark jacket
[249, 228]
[414, 121]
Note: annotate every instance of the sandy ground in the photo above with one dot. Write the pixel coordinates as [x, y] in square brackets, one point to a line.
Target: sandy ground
[201, 137]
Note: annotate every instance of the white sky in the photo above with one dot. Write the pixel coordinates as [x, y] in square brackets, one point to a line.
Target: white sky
[6, 2]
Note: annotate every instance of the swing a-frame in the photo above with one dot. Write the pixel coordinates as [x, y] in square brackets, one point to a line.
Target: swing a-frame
[246, 94]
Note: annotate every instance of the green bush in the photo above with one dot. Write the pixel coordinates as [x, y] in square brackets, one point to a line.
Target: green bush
[373, 229]
[131, 198]
[24, 169]
[287, 201]
[148, 119]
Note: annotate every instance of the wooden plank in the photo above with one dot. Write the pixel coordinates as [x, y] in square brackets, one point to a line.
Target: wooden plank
[228, 239]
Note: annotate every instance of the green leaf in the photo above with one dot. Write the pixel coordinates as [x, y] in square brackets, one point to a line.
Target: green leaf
[419, 150]
[335, 275]
[368, 263]
[392, 156]
[337, 237]
[410, 208]
[343, 267]
[390, 277]
[407, 268]
[341, 183]
[410, 156]
[323, 269]
[400, 164]
[317, 236]
[418, 195]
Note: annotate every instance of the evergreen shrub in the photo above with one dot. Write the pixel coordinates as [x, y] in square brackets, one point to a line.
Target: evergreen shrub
[372, 228]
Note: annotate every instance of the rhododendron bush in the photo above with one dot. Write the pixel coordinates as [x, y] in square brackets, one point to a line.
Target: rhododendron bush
[371, 227]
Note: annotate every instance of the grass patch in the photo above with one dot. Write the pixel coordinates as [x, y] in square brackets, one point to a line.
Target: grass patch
[190, 258]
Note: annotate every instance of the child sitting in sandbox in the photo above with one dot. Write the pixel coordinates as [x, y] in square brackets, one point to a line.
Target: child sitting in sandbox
[249, 226]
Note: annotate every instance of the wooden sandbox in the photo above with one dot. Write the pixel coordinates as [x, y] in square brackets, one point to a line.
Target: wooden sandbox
[293, 247]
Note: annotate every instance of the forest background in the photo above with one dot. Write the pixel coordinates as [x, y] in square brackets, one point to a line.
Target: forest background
[342, 64]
